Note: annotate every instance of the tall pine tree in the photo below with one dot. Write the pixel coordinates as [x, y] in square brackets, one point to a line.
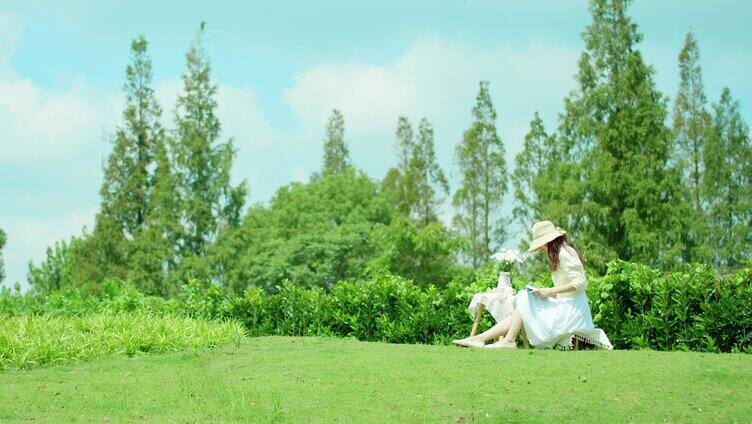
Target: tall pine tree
[691, 123]
[483, 184]
[399, 183]
[155, 249]
[426, 176]
[202, 162]
[532, 165]
[336, 153]
[127, 182]
[691, 119]
[631, 202]
[404, 144]
[726, 183]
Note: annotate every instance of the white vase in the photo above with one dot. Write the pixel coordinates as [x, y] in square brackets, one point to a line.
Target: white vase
[504, 280]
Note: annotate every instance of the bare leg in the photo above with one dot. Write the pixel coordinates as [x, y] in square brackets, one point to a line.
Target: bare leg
[508, 327]
[514, 327]
[501, 328]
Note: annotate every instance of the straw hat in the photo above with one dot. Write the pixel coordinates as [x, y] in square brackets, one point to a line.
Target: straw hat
[544, 232]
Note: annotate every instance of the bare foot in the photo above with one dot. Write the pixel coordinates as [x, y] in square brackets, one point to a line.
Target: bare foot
[469, 342]
[502, 344]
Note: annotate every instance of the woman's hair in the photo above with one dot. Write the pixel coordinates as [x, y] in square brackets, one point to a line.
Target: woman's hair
[554, 247]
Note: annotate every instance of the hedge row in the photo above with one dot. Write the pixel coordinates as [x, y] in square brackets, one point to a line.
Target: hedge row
[638, 307]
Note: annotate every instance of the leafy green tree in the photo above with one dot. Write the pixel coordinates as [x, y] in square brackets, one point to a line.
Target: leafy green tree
[631, 202]
[405, 144]
[424, 255]
[336, 153]
[202, 164]
[59, 267]
[691, 123]
[426, 176]
[311, 234]
[54, 271]
[483, 184]
[3, 239]
[726, 183]
[103, 253]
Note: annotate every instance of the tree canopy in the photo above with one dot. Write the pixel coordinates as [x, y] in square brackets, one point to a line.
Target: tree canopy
[625, 175]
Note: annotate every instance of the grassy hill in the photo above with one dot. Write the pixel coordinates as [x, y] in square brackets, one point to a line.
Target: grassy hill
[280, 379]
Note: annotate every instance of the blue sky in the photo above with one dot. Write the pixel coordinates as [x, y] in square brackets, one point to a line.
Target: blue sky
[281, 66]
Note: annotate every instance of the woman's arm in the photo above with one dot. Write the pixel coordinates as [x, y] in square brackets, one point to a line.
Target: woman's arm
[553, 291]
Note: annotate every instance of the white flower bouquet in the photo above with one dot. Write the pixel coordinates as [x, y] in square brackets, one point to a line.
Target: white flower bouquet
[507, 258]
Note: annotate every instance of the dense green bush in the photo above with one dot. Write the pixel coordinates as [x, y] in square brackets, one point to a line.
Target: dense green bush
[112, 296]
[690, 310]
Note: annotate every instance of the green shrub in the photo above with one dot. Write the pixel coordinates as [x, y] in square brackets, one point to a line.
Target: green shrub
[690, 310]
[111, 296]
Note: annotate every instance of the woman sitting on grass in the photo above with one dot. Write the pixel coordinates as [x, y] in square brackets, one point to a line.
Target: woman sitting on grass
[551, 316]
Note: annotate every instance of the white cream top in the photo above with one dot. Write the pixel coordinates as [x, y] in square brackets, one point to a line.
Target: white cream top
[570, 270]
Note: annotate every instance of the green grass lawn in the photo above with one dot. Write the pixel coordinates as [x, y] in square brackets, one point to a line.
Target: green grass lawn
[280, 379]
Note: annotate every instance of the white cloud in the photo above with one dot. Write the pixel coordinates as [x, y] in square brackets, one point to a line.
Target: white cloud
[240, 114]
[242, 119]
[368, 95]
[435, 78]
[45, 126]
[299, 175]
[58, 132]
[39, 123]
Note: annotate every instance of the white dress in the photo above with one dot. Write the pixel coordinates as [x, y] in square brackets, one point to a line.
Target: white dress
[499, 302]
[554, 321]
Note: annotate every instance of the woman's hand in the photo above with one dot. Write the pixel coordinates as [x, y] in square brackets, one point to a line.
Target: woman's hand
[545, 292]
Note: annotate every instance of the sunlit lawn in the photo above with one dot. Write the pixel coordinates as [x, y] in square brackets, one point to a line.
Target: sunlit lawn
[280, 379]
